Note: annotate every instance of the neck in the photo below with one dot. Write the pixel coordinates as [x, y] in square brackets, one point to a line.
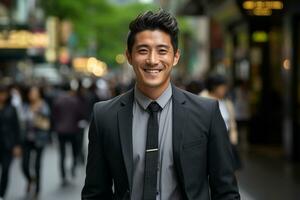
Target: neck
[36, 102]
[153, 92]
[213, 95]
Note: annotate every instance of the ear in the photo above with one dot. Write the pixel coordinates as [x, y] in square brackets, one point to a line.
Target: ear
[128, 56]
[176, 57]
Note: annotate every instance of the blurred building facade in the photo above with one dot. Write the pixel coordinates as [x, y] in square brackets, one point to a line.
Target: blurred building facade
[33, 46]
[257, 42]
[24, 38]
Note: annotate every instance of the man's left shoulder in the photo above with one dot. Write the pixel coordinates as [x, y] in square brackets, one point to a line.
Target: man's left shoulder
[194, 99]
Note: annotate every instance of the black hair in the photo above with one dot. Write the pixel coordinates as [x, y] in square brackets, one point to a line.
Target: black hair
[5, 89]
[195, 86]
[149, 20]
[214, 81]
[27, 90]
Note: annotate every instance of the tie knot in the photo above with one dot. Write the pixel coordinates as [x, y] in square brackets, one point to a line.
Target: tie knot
[154, 107]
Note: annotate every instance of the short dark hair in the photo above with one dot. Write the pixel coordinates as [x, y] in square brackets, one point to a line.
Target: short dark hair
[5, 89]
[215, 80]
[29, 87]
[149, 20]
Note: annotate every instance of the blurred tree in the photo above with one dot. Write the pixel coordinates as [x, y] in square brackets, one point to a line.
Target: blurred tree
[100, 27]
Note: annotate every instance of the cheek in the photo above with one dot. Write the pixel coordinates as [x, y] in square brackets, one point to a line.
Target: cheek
[221, 92]
[138, 61]
[170, 60]
[170, 63]
[33, 95]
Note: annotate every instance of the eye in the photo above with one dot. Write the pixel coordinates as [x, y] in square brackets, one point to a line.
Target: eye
[142, 51]
[163, 51]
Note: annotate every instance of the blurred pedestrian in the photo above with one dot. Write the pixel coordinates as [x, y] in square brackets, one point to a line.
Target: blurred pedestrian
[217, 88]
[157, 141]
[241, 98]
[102, 90]
[195, 86]
[67, 113]
[17, 102]
[9, 137]
[86, 98]
[37, 124]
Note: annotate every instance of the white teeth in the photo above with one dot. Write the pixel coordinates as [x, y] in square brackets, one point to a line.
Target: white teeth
[152, 70]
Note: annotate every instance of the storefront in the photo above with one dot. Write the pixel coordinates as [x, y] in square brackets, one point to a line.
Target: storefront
[291, 84]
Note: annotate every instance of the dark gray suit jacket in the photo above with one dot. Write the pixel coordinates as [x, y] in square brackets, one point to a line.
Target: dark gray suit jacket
[201, 148]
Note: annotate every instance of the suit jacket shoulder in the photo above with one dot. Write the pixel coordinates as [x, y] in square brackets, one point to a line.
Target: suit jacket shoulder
[204, 102]
[114, 104]
[199, 109]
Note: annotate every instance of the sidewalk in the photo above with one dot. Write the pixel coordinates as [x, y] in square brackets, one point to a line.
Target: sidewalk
[263, 178]
[51, 186]
[269, 177]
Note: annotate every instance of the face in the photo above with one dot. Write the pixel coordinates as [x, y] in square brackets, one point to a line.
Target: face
[3, 97]
[152, 58]
[33, 94]
[220, 91]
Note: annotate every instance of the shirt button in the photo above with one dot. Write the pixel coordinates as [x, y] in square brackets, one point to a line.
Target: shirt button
[157, 192]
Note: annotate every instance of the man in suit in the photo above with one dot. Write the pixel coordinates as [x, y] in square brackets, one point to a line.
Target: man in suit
[157, 142]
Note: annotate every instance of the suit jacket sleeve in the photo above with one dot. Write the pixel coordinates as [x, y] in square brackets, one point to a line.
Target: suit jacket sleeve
[220, 162]
[98, 182]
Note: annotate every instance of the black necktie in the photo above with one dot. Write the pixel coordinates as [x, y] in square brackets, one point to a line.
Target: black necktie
[151, 154]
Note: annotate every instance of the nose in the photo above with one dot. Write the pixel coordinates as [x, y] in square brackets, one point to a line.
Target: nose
[153, 58]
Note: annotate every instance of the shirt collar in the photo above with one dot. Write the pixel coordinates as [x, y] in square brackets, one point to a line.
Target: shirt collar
[144, 101]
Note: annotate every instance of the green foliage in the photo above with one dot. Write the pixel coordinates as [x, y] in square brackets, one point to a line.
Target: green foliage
[98, 22]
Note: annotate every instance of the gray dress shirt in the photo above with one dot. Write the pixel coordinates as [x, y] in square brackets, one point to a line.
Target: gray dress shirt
[167, 186]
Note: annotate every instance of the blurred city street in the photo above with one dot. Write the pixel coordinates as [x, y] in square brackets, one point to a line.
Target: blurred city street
[263, 178]
[58, 58]
[51, 186]
[268, 177]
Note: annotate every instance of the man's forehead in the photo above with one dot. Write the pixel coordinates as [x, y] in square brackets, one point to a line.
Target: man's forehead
[152, 37]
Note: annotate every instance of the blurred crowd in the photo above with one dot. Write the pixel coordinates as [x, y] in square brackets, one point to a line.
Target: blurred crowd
[34, 115]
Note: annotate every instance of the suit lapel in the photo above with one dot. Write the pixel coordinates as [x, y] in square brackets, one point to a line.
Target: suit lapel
[179, 116]
[125, 131]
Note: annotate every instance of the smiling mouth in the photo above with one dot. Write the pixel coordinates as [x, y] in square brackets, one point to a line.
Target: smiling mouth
[152, 70]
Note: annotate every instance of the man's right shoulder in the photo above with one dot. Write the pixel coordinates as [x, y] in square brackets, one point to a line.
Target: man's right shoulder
[103, 106]
[113, 104]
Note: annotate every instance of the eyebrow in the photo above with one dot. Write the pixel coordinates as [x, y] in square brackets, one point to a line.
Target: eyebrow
[158, 46]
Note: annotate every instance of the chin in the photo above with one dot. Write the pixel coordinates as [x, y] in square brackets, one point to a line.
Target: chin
[152, 85]
[155, 82]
